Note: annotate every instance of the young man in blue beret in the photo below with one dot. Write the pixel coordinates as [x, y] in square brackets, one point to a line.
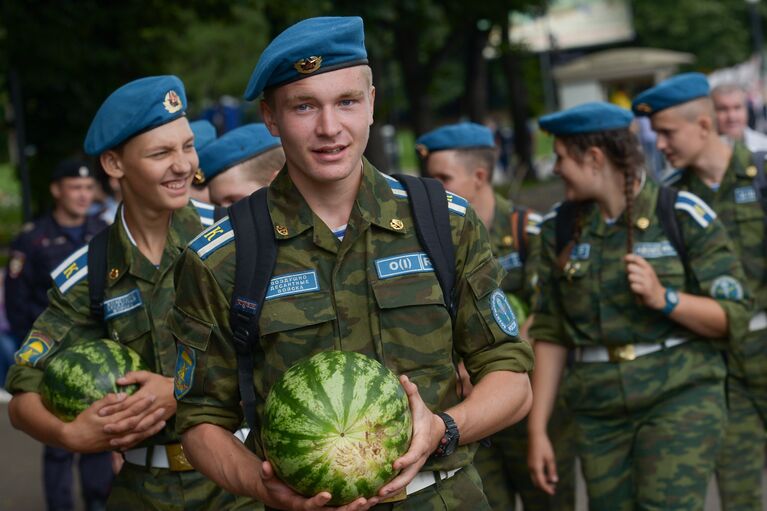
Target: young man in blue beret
[240, 162]
[336, 219]
[142, 138]
[731, 180]
[204, 134]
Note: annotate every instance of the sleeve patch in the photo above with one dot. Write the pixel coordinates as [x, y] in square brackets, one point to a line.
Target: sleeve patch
[34, 348]
[726, 288]
[72, 270]
[503, 313]
[186, 361]
[697, 209]
[214, 237]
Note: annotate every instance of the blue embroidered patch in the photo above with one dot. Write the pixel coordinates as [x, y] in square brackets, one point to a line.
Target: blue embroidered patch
[745, 194]
[293, 284]
[121, 304]
[72, 270]
[510, 261]
[654, 250]
[580, 252]
[186, 361]
[34, 348]
[456, 204]
[417, 262]
[503, 313]
[726, 288]
[206, 212]
[697, 209]
[213, 238]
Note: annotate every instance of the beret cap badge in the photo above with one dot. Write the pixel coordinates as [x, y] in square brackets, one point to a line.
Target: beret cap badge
[644, 107]
[308, 65]
[172, 102]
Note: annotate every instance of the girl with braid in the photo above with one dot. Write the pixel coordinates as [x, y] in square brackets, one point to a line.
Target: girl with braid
[624, 289]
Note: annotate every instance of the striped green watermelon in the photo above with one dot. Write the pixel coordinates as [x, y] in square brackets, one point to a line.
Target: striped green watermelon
[336, 422]
[85, 372]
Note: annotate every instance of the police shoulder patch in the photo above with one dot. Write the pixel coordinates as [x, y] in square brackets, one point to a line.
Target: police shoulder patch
[697, 209]
[503, 313]
[35, 347]
[726, 288]
[214, 237]
[205, 210]
[186, 361]
[72, 270]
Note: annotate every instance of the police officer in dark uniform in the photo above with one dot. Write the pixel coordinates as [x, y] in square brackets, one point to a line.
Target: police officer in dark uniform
[35, 253]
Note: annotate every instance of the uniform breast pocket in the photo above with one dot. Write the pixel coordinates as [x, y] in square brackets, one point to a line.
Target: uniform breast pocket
[575, 290]
[133, 329]
[415, 326]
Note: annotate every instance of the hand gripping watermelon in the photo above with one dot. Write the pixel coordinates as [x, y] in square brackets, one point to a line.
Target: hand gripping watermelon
[85, 372]
[336, 422]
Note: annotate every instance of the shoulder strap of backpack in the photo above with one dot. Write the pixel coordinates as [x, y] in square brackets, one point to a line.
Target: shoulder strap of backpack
[669, 222]
[564, 225]
[519, 219]
[428, 204]
[219, 212]
[256, 256]
[97, 272]
[760, 179]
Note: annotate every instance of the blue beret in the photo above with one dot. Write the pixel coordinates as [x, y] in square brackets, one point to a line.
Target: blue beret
[586, 118]
[134, 108]
[464, 135]
[204, 133]
[309, 47]
[235, 147]
[674, 91]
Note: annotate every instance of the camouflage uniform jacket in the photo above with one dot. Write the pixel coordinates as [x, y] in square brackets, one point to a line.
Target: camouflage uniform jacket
[737, 206]
[138, 297]
[589, 302]
[374, 293]
[520, 276]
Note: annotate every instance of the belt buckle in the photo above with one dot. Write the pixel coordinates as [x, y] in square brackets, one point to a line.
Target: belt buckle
[621, 353]
[397, 497]
[177, 461]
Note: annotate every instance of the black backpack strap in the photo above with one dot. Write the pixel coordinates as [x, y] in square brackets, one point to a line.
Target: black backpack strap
[428, 203]
[97, 272]
[760, 179]
[256, 256]
[520, 216]
[669, 222]
[219, 212]
[564, 225]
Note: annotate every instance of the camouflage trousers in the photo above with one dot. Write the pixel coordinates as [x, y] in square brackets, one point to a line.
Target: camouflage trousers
[648, 430]
[140, 488]
[504, 472]
[741, 461]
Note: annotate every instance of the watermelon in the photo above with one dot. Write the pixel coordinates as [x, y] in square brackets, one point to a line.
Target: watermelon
[336, 422]
[86, 372]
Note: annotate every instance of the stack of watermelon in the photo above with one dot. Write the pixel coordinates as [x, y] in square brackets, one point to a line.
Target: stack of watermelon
[84, 373]
[336, 422]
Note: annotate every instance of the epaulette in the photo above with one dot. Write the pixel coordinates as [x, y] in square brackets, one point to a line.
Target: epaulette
[694, 205]
[534, 221]
[672, 178]
[455, 203]
[72, 270]
[213, 238]
[551, 214]
[205, 210]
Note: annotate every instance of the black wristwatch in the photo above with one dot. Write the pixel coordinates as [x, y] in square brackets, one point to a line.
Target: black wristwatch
[449, 442]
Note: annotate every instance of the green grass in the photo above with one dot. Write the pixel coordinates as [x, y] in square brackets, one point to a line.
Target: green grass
[10, 209]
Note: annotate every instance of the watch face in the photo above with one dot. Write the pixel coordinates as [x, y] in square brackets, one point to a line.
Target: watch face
[672, 296]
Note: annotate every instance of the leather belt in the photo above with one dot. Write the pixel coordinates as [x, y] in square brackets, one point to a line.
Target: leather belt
[420, 481]
[625, 353]
[170, 456]
[758, 322]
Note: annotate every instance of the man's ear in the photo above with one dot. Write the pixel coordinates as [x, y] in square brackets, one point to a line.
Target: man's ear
[706, 124]
[481, 177]
[372, 105]
[267, 114]
[112, 164]
[595, 156]
[55, 190]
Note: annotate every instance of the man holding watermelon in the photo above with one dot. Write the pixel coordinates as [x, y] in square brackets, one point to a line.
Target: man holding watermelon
[121, 286]
[349, 274]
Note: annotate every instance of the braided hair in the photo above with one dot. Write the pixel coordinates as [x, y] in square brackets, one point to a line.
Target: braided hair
[622, 149]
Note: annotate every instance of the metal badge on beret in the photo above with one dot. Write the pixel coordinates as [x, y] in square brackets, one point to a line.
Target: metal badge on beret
[199, 177]
[422, 150]
[172, 102]
[308, 65]
[644, 107]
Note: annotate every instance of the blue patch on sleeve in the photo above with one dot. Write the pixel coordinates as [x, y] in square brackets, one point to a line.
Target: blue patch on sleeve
[745, 194]
[510, 261]
[119, 305]
[214, 237]
[726, 288]
[186, 361]
[580, 252]
[503, 313]
[293, 284]
[35, 347]
[417, 262]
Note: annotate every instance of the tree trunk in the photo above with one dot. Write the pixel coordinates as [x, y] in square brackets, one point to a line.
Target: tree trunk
[474, 103]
